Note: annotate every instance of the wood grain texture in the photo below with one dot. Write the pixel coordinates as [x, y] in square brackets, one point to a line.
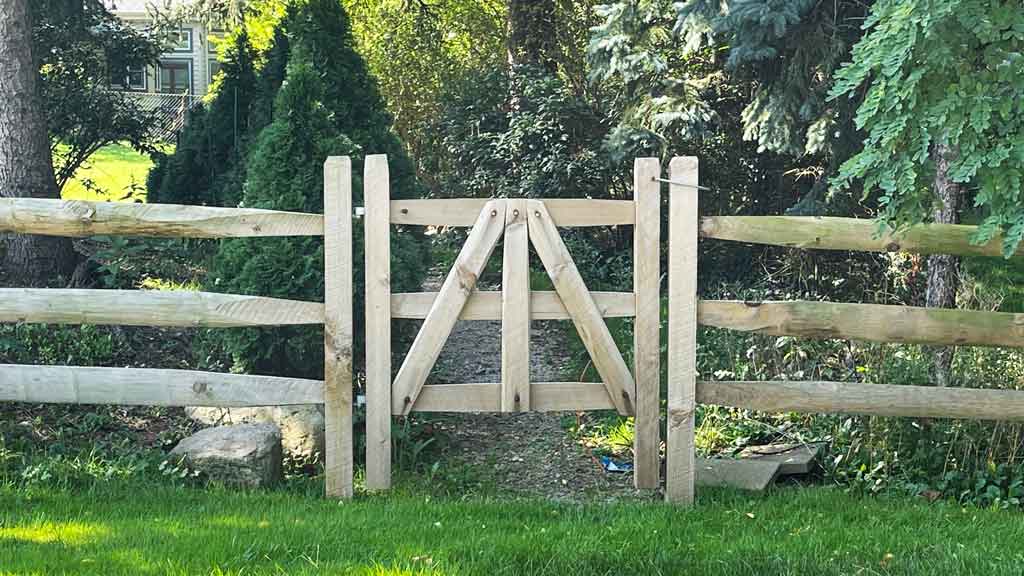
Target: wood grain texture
[444, 313]
[873, 322]
[869, 399]
[377, 233]
[338, 331]
[152, 308]
[78, 218]
[486, 305]
[151, 387]
[546, 397]
[647, 326]
[515, 311]
[682, 329]
[569, 212]
[584, 313]
[829, 233]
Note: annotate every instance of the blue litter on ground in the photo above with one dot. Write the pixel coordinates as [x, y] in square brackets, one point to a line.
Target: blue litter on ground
[615, 466]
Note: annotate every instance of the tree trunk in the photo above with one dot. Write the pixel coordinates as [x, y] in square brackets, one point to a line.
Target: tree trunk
[531, 34]
[943, 273]
[26, 169]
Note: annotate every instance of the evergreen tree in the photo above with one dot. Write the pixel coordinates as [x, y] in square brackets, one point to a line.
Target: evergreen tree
[327, 105]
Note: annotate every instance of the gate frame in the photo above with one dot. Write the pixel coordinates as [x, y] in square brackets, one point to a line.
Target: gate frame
[644, 214]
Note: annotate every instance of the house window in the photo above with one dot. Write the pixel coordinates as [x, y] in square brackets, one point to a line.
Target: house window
[181, 40]
[129, 78]
[137, 78]
[175, 76]
[214, 68]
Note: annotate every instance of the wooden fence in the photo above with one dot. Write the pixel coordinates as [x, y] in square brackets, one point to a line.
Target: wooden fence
[521, 221]
[878, 323]
[131, 386]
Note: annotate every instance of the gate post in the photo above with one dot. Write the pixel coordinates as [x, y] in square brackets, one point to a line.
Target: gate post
[338, 326]
[647, 323]
[377, 243]
[682, 328]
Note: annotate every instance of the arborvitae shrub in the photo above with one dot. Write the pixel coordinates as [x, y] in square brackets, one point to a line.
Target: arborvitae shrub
[285, 172]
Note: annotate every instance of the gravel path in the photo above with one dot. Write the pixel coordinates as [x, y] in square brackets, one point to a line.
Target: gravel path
[528, 454]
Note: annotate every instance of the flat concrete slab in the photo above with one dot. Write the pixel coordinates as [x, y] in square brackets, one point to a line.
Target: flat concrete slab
[792, 458]
[743, 474]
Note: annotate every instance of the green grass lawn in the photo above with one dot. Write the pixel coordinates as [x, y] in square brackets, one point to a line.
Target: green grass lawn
[116, 173]
[136, 529]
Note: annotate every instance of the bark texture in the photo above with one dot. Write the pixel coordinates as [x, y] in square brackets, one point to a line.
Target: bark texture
[943, 270]
[26, 169]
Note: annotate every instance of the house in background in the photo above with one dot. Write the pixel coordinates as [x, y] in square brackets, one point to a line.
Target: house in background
[186, 69]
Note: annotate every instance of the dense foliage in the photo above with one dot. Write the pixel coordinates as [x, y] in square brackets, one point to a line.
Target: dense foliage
[943, 72]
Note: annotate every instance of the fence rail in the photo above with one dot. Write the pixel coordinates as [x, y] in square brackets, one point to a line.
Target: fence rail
[872, 322]
[79, 218]
[151, 387]
[463, 212]
[153, 308]
[829, 233]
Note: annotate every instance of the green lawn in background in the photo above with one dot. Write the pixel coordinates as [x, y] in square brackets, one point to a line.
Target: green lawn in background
[114, 173]
[140, 529]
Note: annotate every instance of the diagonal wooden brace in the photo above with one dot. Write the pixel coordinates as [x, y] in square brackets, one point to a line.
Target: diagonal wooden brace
[581, 307]
[437, 326]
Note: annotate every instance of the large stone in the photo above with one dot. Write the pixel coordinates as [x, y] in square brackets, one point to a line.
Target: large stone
[243, 454]
[302, 427]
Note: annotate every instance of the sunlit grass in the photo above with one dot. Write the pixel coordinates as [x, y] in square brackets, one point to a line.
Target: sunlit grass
[44, 532]
[160, 529]
[115, 173]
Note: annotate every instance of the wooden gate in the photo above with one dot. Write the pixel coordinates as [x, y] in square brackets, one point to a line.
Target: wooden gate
[521, 223]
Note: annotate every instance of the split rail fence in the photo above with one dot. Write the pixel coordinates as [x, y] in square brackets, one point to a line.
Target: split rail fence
[872, 322]
[153, 387]
[521, 223]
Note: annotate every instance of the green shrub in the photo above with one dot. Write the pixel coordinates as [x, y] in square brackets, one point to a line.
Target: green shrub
[322, 109]
[59, 344]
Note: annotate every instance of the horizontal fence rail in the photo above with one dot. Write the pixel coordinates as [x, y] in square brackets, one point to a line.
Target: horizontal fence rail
[77, 218]
[464, 211]
[151, 387]
[872, 322]
[544, 397]
[866, 399]
[153, 308]
[486, 305]
[829, 233]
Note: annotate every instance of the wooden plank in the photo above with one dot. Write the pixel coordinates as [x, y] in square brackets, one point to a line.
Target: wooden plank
[868, 399]
[151, 387]
[874, 322]
[377, 232]
[153, 308]
[338, 463]
[546, 397]
[78, 218]
[569, 212]
[742, 474]
[829, 233]
[682, 329]
[577, 300]
[647, 326]
[486, 305]
[454, 293]
[515, 311]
